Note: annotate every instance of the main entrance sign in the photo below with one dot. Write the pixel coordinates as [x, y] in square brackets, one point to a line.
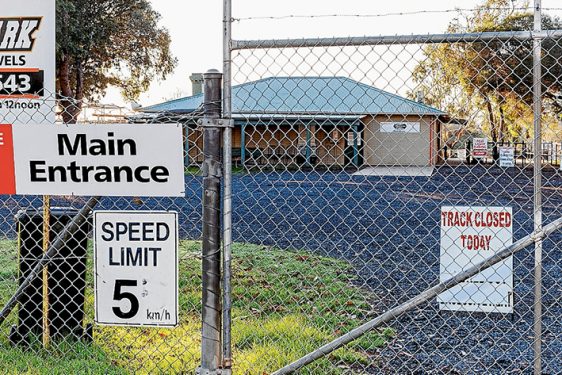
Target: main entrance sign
[107, 160]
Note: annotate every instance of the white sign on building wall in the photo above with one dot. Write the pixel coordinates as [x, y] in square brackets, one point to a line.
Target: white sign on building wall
[27, 61]
[400, 127]
[354, 137]
[470, 235]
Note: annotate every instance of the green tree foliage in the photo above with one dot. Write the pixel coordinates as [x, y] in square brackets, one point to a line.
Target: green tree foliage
[105, 43]
[495, 78]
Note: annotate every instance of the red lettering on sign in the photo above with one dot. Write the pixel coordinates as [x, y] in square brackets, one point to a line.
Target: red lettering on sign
[475, 242]
[476, 219]
[492, 219]
[7, 172]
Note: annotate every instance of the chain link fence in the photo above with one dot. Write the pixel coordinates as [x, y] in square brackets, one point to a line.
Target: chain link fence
[353, 151]
[347, 157]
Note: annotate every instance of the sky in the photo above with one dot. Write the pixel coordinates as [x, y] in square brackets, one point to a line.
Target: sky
[196, 29]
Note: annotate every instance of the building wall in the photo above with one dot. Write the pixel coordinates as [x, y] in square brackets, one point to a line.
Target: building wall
[330, 146]
[290, 140]
[403, 149]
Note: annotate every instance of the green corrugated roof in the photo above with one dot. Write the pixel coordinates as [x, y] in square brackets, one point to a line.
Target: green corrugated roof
[306, 95]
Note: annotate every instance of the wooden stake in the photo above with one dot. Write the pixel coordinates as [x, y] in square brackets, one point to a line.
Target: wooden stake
[46, 240]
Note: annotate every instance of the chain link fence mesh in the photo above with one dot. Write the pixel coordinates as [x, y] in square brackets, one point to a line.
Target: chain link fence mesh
[349, 153]
[343, 157]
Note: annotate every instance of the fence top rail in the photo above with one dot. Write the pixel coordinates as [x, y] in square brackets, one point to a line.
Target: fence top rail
[396, 39]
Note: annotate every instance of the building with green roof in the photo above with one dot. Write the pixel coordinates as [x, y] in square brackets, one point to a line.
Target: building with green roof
[321, 121]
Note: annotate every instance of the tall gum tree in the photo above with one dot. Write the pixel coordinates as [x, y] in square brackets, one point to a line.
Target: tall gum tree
[490, 83]
[106, 43]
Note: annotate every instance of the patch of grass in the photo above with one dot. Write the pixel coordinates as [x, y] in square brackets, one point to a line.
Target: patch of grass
[270, 344]
[67, 357]
[195, 171]
[238, 170]
[285, 304]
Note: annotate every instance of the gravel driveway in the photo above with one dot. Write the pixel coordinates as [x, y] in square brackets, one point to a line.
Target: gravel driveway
[388, 228]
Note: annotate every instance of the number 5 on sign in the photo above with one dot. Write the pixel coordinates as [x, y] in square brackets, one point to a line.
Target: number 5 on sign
[136, 268]
[118, 295]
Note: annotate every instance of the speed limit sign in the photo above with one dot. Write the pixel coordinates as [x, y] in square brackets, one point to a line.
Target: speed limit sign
[136, 268]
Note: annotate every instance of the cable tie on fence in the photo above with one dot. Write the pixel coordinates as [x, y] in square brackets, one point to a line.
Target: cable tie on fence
[538, 235]
[215, 123]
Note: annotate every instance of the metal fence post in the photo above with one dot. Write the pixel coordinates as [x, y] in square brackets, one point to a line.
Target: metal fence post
[227, 216]
[211, 298]
[537, 161]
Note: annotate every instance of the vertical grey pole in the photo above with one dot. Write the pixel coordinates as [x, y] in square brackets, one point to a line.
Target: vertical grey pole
[355, 146]
[537, 110]
[211, 309]
[186, 147]
[227, 216]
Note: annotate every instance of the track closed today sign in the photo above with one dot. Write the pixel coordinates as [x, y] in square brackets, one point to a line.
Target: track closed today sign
[470, 235]
[136, 268]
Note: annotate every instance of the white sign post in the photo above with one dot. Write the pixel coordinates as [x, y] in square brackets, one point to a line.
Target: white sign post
[470, 235]
[27, 61]
[507, 157]
[136, 268]
[106, 160]
[479, 147]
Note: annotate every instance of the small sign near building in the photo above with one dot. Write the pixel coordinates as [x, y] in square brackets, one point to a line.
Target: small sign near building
[353, 137]
[136, 268]
[27, 61]
[470, 235]
[106, 160]
[507, 157]
[479, 147]
[400, 127]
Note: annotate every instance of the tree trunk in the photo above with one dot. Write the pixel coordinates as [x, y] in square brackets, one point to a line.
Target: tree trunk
[70, 101]
[503, 129]
[493, 128]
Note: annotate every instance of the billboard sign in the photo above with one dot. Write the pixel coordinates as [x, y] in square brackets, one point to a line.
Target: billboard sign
[27, 62]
